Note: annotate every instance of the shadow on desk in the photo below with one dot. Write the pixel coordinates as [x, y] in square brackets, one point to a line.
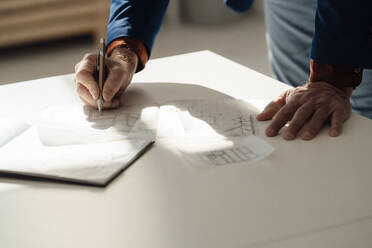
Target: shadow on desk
[150, 92]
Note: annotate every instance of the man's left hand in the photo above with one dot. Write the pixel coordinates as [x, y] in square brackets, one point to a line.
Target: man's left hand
[307, 108]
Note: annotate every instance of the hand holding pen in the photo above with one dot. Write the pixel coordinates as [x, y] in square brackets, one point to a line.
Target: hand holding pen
[119, 69]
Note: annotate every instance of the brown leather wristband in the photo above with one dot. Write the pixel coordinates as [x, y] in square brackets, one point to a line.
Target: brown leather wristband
[340, 77]
[132, 44]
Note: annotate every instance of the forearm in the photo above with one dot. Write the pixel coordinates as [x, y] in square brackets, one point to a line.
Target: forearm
[342, 42]
[138, 20]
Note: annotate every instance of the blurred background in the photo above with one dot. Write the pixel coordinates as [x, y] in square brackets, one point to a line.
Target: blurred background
[41, 38]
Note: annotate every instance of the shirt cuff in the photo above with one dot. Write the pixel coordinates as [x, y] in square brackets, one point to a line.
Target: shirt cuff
[133, 44]
[340, 77]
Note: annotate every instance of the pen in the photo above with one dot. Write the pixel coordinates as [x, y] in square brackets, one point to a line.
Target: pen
[101, 71]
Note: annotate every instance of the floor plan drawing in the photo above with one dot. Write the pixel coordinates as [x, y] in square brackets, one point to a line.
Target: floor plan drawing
[244, 125]
[227, 118]
[229, 156]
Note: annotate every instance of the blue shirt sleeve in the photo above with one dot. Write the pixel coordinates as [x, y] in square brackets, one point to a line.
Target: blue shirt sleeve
[140, 19]
[343, 33]
[239, 5]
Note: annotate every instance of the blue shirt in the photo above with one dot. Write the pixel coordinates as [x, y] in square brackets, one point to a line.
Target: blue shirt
[343, 28]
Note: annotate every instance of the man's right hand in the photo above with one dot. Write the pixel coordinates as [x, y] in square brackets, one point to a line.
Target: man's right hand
[121, 66]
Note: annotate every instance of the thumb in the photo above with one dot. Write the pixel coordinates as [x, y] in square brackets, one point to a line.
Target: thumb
[272, 108]
[113, 81]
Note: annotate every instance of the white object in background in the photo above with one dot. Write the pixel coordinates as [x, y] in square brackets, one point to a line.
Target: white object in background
[9, 129]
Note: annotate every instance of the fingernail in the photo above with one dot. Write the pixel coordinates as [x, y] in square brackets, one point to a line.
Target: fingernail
[95, 95]
[270, 132]
[306, 135]
[333, 133]
[289, 136]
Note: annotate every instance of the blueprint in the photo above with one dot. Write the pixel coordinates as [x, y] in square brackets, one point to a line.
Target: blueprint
[219, 153]
[227, 118]
[211, 133]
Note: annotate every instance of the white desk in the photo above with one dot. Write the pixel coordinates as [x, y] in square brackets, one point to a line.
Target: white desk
[306, 194]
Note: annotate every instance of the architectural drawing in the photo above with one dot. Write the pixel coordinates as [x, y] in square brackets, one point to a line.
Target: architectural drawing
[243, 125]
[229, 156]
[228, 118]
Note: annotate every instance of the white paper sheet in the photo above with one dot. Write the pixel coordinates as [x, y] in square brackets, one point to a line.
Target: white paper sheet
[217, 153]
[224, 118]
[86, 163]
[67, 125]
[78, 143]
[9, 129]
[257, 103]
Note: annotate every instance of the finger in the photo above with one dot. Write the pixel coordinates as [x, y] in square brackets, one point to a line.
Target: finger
[110, 89]
[77, 66]
[316, 122]
[271, 109]
[85, 74]
[337, 121]
[281, 118]
[87, 99]
[299, 119]
[119, 95]
[114, 103]
[85, 95]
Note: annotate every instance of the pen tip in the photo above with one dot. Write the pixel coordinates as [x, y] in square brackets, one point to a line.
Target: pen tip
[99, 104]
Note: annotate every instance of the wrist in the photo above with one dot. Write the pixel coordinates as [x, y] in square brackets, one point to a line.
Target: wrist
[348, 91]
[133, 45]
[125, 56]
[344, 91]
[340, 77]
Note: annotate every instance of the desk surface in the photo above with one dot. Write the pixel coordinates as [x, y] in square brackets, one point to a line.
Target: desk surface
[306, 194]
